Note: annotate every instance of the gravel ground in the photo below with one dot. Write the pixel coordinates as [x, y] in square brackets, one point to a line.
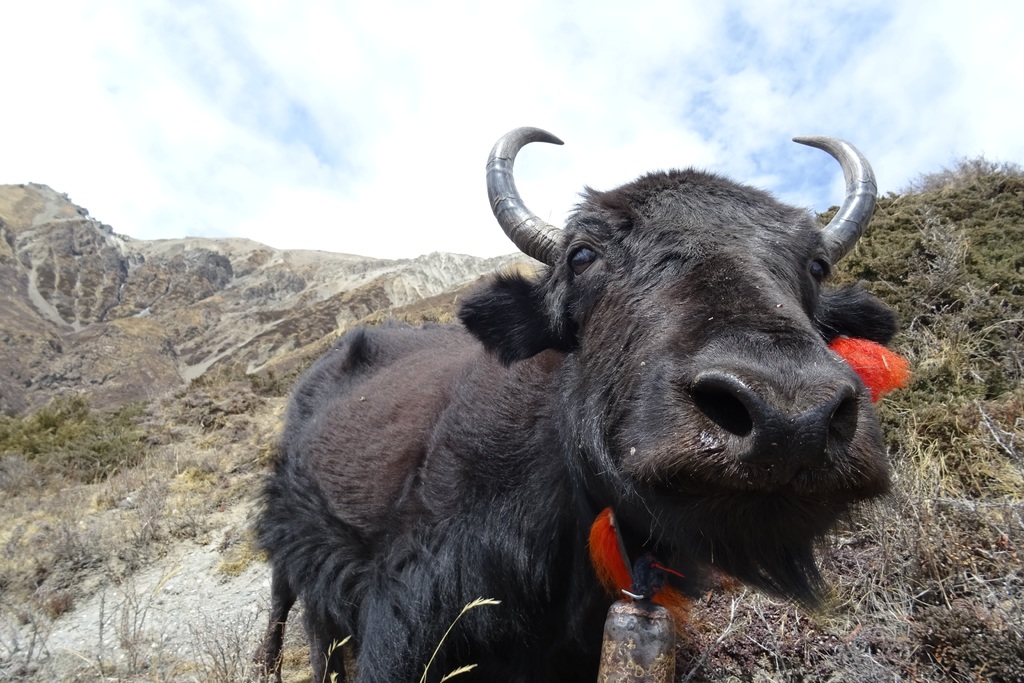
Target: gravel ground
[179, 619]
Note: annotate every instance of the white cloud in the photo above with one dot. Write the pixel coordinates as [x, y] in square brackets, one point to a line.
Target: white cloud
[364, 127]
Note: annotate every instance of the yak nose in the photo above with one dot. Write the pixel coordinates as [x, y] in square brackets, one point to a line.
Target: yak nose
[772, 434]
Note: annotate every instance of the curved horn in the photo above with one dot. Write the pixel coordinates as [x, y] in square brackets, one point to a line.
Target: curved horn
[533, 236]
[843, 231]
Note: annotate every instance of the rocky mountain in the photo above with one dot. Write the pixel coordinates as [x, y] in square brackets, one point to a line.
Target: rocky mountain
[84, 308]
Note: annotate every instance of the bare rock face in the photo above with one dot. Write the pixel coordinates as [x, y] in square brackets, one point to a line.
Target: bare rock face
[85, 309]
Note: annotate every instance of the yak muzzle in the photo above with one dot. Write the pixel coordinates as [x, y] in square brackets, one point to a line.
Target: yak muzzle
[764, 431]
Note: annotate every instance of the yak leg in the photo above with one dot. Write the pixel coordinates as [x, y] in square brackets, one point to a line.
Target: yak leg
[268, 654]
[327, 652]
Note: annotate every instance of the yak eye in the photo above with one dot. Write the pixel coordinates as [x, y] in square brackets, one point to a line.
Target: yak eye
[819, 269]
[581, 259]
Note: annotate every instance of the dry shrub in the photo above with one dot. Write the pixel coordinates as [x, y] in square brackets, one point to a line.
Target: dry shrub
[968, 173]
[949, 259]
[213, 406]
[23, 642]
[938, 568]
[239, 551]
[66, 438]
[970, 643]
[18, 475]
[45, 551]
[222, 646]
[966, 449]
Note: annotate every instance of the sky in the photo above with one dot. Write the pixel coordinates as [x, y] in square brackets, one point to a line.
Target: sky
[364, 128]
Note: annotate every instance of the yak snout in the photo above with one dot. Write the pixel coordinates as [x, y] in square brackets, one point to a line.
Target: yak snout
[764, 428]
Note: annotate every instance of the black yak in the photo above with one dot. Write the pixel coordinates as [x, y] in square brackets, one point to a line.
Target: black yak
[671, 363]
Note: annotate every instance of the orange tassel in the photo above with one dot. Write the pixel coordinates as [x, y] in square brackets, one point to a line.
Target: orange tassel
[880, 369]
[614, 574]
[611, 568]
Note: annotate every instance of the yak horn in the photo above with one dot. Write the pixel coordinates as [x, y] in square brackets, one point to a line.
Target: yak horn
[534, 237]
[843, 231]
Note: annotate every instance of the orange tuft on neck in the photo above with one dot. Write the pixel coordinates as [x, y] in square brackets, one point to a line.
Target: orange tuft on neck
[611, 568]
[614, 574]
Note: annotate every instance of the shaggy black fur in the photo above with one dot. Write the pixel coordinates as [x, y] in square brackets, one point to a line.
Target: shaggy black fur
[683, 379]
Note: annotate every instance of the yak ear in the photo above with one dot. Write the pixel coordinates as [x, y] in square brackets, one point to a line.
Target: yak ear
[854, 312]
[509, 316]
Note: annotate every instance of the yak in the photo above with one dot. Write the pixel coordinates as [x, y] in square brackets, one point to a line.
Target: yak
[670, 363]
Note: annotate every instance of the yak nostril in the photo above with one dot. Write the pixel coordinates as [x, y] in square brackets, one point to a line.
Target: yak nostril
[843, 423]
[718, 398]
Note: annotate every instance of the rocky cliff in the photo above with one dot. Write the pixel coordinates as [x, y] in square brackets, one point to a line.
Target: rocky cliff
[85, 309]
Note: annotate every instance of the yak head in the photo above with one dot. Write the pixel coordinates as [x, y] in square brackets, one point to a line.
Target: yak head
[698, 396]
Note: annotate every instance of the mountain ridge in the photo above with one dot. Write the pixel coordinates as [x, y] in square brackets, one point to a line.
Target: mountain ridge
[83, 308]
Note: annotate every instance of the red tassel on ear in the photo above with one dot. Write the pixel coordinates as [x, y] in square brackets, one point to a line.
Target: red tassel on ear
[880, 369]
